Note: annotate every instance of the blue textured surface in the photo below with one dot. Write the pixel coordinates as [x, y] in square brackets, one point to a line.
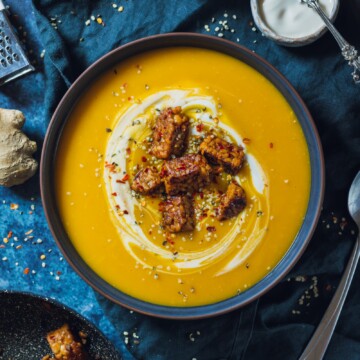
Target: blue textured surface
[281, 322]
[31, 237]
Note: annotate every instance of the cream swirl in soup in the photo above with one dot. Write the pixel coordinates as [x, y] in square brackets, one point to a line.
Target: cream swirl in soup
[147, 242]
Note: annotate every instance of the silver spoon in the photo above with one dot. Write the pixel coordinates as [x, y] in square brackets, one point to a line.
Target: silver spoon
[348, 51]
[321, 338]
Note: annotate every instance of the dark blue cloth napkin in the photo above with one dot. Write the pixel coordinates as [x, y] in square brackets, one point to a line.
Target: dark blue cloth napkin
[278, 325]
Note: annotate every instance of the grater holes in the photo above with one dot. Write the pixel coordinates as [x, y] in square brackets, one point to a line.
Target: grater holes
[7, 39]
[2, 52]
[1, 41]
[3, 63]
[9, 60]
[16, 57]
[1, 23]
[8, 49]
[2, 33]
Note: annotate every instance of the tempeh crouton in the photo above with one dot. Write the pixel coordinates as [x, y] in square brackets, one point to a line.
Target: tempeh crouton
[220, 152]
[187, 174]
[178, 214]
[64, 346]
[170, 133]
[232, 202]
[147, 181]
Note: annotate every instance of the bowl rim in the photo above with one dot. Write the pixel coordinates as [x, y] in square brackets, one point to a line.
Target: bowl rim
[58, 122]
[284, 40]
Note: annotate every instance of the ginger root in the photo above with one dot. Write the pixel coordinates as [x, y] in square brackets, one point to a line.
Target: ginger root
[16, 162]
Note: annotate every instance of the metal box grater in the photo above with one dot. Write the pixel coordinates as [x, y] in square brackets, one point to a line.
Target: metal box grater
[13, 61]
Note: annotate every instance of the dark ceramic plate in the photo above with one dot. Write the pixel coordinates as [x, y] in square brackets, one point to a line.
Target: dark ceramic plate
[25, 320]
[54, 136]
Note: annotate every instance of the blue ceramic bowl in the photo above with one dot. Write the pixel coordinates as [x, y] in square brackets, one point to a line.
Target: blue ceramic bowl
[53, 137]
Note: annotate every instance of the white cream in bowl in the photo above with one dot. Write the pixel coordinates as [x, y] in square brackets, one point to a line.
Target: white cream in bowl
[290, 22]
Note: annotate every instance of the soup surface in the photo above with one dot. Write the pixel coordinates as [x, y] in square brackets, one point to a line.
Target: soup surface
[106, 141]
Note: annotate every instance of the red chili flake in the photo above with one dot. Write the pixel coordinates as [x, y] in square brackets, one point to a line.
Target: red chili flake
[200, 127]
[114, 194]
[117, 207]
[181, 167]
[128, 151]
[211, 228]
[201, 195]
[9, 235]
[26, 271]
[202, 216]
[111, 167]
[58, 272]
[126, 212]
[125, 85]
[163, 173]
[125, 178]
[246, 141]
[144, 159]
[2, 246]
[271, 145]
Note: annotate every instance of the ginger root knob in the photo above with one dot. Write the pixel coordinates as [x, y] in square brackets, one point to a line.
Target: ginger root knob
[16, 162]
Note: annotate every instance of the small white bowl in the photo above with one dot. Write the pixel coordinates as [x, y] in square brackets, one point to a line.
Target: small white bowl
[283, 40]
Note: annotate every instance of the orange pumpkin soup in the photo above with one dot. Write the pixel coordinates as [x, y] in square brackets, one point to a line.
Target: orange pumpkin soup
[119, 232]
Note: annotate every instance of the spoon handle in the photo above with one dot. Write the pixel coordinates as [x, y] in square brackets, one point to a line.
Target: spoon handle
[319, 342]
[348, 51]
